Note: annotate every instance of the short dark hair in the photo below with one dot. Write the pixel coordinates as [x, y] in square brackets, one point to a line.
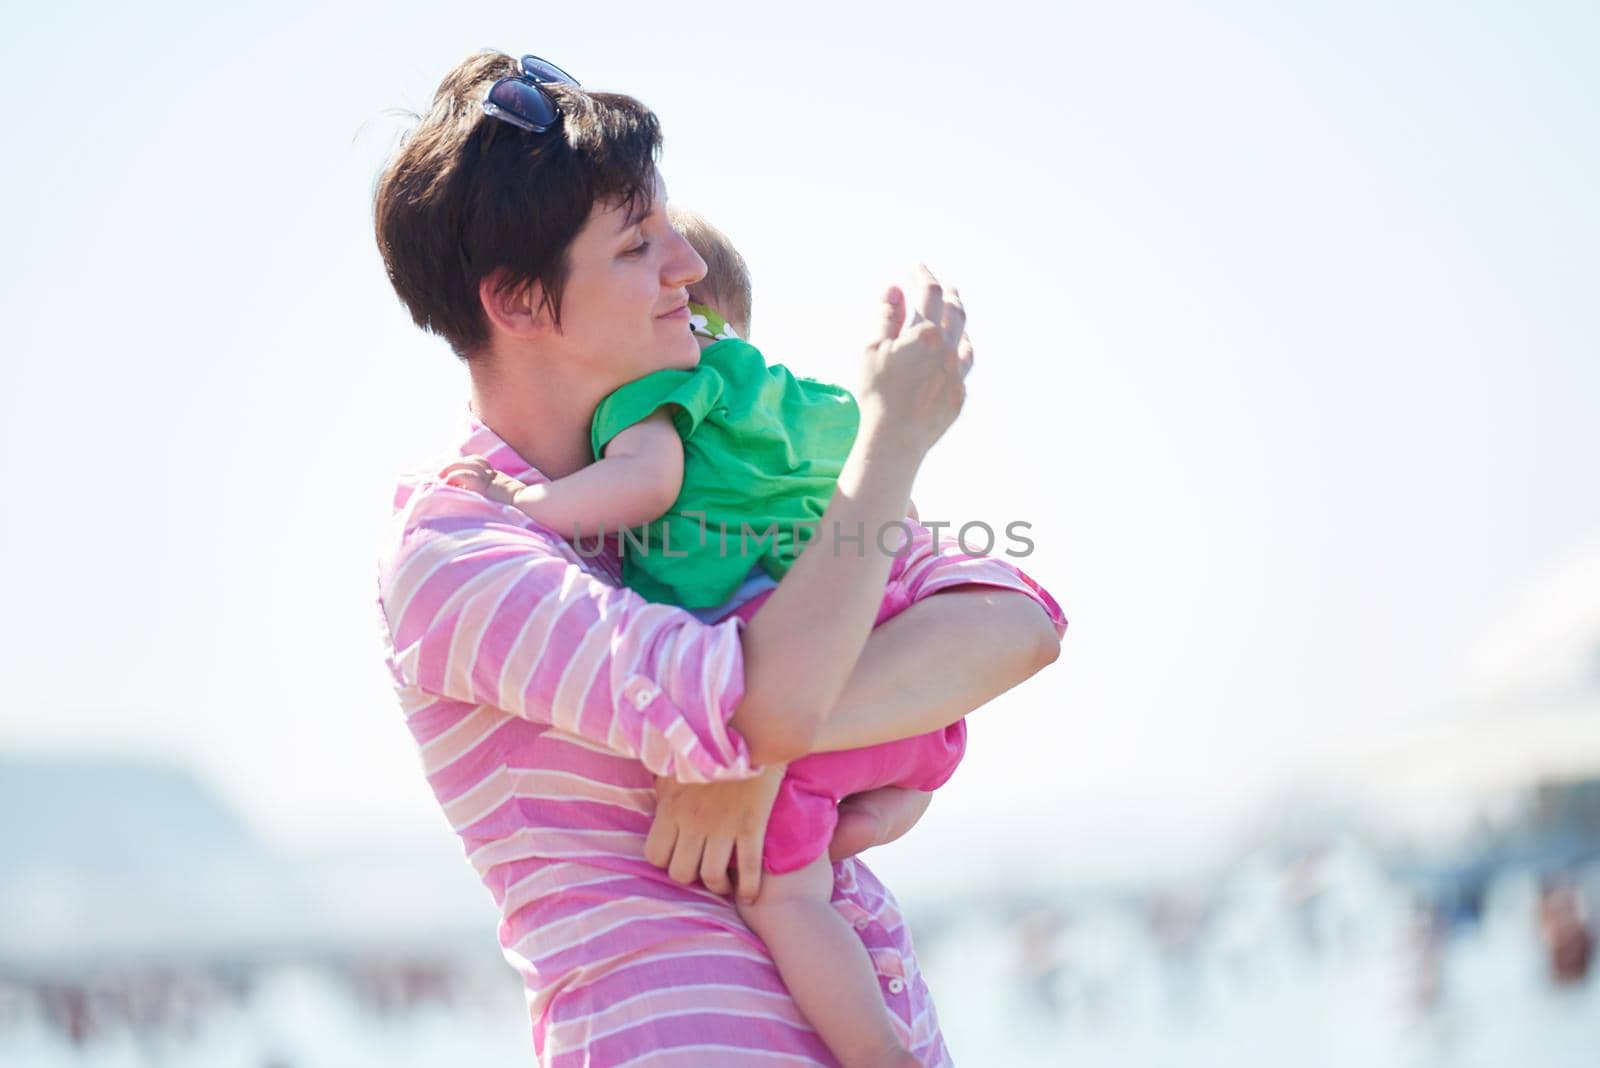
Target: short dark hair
[466, 194]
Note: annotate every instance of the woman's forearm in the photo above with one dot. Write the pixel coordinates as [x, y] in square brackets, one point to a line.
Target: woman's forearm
[803, 643]
[935, 662]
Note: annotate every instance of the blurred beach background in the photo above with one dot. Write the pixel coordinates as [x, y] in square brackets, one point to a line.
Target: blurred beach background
[1287, 352]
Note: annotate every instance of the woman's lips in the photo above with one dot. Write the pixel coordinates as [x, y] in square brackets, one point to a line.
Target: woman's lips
[678, 314]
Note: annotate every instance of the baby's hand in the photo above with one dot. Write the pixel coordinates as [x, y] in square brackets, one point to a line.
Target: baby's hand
[473, 473]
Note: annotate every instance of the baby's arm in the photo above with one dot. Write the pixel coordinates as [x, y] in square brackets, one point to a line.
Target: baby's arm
[637, 481]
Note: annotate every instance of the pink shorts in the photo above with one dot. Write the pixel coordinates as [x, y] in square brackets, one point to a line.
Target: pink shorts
[807, 807]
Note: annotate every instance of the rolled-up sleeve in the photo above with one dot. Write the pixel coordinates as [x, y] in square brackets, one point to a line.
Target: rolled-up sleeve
[486, 611]
[928, 564]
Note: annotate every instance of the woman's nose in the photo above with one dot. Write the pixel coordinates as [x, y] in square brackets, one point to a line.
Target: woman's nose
[683, 266]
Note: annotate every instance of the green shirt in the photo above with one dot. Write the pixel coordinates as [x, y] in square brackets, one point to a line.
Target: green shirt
[761, 449]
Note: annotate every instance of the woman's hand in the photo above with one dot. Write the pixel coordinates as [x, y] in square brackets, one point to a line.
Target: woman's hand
[700, 828]
[912, 376]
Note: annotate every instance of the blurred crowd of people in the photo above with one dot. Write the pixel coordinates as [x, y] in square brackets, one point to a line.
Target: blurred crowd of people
[1299, 931]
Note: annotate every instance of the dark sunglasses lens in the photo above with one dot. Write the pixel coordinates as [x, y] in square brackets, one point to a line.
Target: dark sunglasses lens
[524, 101]
[541, 70]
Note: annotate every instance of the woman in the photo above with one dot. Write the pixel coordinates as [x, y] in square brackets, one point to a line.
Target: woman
[568, 727]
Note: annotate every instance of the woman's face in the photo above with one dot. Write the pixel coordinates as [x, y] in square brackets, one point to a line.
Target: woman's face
[625, 308]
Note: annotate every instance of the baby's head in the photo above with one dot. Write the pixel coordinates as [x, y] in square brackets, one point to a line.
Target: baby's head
[726, 287]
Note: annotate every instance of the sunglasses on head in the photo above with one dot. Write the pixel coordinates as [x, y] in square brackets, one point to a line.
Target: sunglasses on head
[521, 99]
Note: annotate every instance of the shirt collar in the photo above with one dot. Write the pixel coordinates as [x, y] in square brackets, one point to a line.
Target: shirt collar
[481, 441]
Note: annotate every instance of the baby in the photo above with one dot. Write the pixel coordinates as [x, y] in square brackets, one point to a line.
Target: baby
[724, 465]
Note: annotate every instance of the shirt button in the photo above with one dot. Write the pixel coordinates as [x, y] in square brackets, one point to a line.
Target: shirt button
[862, 924]
[896, 985]
[643, 697]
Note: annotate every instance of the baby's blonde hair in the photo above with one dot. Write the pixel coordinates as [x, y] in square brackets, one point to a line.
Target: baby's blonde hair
[726, 286]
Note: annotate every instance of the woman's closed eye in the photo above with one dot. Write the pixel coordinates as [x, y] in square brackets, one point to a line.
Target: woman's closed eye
[637, 250]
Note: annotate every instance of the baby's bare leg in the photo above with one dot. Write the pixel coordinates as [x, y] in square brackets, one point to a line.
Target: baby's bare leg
[825, 966]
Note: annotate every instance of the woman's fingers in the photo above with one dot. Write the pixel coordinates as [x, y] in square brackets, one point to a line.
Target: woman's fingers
[955, 317]
[714, 865]
[893, 314]
[748, 854]
[685, 864]
[697, 828]
[914, 380]
[662, 837]
[929, 296]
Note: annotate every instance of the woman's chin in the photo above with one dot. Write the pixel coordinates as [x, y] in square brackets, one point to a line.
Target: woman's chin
[684, 357]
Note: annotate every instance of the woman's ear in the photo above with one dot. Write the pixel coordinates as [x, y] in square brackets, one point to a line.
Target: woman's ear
[518, 310]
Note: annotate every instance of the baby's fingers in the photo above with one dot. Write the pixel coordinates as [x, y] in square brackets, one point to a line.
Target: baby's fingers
[464, 478]
[501, 488]
[470, 472]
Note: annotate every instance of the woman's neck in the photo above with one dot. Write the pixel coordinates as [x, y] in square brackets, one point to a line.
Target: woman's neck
[543, 415]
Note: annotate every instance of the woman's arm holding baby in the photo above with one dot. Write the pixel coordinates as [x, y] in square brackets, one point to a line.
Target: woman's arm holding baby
[636, 482]
[920, 671]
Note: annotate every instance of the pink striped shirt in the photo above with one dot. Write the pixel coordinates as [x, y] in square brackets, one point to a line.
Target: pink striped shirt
[545, 697]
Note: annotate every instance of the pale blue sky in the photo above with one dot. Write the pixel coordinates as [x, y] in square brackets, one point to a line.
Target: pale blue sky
[1287, 347]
